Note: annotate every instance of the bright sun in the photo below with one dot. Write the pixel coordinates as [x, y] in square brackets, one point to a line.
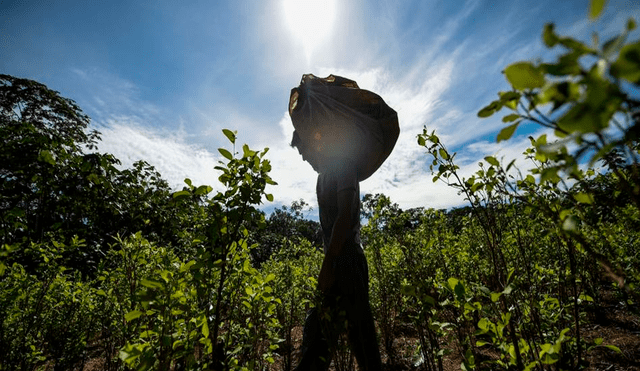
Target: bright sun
[310, 21]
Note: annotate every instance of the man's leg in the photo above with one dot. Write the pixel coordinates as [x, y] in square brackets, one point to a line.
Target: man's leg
[319, 333]
[361, 328]
[362, 337]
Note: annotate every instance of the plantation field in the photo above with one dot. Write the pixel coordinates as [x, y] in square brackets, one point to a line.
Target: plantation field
[103, 267]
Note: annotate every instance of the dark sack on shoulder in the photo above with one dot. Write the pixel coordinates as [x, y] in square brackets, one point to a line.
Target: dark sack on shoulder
[335, 117]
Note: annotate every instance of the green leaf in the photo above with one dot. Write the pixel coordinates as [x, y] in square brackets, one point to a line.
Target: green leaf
[612, 46]
[132, 315]
[492, 160]
[507, 132]
[203, 190]
[225, 153]
[507, 290]
[549, 36]
[510, 99]
[269, 197]
[584, 198]
[270, 277]
[205, 329]
[181, 194]
[585, 297]
[613, 347]
[627, 66]
[510, 118]
[595, 8]
[584, 118]
[46, 156]
[231, 135]
[484, 325]
[151, 284]
[523, 75]
[530, 179]
[570, 224]
[443, 153]
[177, 344]
[490, 109]
[598, 341]
[453, 282]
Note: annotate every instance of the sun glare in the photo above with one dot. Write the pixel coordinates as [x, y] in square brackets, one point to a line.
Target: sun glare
[310, 21]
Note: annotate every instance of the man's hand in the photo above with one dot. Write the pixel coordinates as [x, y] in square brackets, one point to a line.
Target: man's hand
[327, 276]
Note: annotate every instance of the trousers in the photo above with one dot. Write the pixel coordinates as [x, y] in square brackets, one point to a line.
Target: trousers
[345, 307]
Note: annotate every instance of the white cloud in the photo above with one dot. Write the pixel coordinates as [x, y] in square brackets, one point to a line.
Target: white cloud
[170, 154]
[443, 90]
[105, 95]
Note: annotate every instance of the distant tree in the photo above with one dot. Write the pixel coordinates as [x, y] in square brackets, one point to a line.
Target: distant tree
[383, 215]
[287, 222]
[54, 185]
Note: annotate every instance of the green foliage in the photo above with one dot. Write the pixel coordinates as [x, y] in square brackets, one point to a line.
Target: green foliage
[294, 268]
[538, 260]
[179, 292]
[106, 264]
[53, 189]
[216, 310]
[544, 231]
[285, 225]
[586, 97]
[44, 317]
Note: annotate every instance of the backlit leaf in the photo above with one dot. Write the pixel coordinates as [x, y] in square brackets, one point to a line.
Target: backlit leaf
[132, 315]
[584, 198]
[492, 160]
[549, 36]
[225, 153]
[443, 153]
[151, 284]
[230, 135]
[523, 75]
[510, 118]
[181, 194]
[46, 156]
[205, 329]
[595, 8]
[628, 64]
[614, 348]
[507, 132]
[490, 109]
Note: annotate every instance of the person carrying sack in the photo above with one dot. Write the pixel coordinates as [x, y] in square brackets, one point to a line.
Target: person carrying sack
[345, 133]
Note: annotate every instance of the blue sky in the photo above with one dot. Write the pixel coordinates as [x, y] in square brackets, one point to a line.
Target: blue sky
[161, 79]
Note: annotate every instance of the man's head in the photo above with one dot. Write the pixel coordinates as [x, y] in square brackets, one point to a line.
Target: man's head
[313, 157]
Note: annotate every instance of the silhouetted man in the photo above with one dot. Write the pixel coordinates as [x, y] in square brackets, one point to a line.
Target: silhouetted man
[345, 133]
[344, 277]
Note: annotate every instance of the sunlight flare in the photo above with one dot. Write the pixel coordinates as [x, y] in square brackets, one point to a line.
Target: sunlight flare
[310, 21]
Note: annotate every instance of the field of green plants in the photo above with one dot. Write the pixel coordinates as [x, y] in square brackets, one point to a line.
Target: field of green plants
[105, 268]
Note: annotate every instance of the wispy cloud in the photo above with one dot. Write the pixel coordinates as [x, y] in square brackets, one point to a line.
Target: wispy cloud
[171, 154]
[442, 85]
[106, 95]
